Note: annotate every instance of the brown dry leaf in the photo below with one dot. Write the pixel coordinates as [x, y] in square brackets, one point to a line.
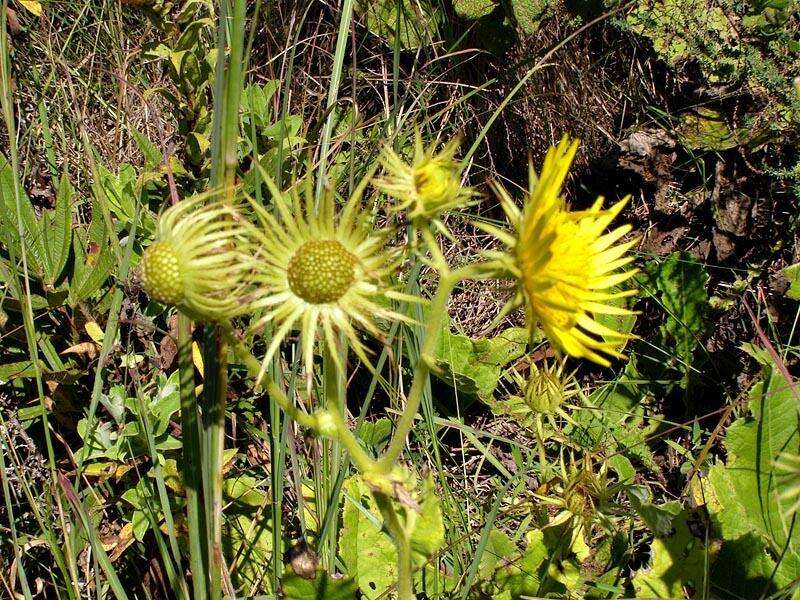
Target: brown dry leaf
[87, 348]
[13, 22]
[117, 543]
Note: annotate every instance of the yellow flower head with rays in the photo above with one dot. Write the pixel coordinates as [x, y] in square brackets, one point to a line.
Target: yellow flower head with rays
[200, 260]
[565, 266]
[429, 186]
[321, 270]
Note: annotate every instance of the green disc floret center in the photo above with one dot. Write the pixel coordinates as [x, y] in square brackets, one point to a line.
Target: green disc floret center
[321, 271]
[161, 273]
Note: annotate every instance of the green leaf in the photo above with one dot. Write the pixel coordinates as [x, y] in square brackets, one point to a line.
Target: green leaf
[617, 420]
[657, 518]
[679, 561]
[474, 367]
[152, 155]
[428, 535]
[417, 24]
[322, 587]
[57, 231]
[473, 9]
[31, 232]
[707, 129]
[367, 552]
[248, 547]
[120, 190]
[244, 490]
[93, 261]
[682, 285]
[747, 489]
[743, 569]
[792, 273]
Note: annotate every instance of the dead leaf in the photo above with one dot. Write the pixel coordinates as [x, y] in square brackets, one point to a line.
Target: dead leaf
[87, 348]
[13, 22]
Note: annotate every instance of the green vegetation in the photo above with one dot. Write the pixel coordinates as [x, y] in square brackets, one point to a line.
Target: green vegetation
[271, 326]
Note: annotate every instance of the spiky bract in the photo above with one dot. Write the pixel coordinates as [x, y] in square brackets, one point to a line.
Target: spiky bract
[200, 260]
[429, 186]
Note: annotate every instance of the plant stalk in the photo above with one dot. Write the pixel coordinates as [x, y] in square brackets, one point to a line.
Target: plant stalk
[192, 452]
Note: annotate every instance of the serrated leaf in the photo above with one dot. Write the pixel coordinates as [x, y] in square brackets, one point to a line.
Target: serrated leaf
[679, 561]
[747, 489]
[474, 367]
[57, 231]
[682, 285]
[10, 221]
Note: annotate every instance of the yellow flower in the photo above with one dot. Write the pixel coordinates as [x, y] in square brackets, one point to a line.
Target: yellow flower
[200, 260]
[565, 266]
[429, 186]
[321, 271]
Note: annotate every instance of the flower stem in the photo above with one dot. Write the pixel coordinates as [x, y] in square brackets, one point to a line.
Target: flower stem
[435, 317]
[346, 437]
[214, 395]
[192, 476]
[402, 541]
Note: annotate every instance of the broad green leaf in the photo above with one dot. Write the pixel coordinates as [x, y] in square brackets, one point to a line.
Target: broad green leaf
[682, 285]
[322, 587]
[744, 569]
[428, 535]
[244, 490]
[521, 574]
[247, 544]
[410, 23]
[747, 489]
[679, 561]
[658, 518]
[473, 9]
[617, 419]
[474, 367]
[367, 552]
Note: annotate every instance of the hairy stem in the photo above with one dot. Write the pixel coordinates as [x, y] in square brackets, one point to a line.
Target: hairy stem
[435, 316]
[402, 541]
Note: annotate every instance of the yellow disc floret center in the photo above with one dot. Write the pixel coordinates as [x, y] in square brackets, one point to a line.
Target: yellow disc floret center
[321, 271]
[161, 273]
[433, 182]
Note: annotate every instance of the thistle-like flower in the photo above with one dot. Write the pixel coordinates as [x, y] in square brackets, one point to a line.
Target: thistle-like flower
[200, 260]
[565, 267]
[323, 271]
[427, 187]
[544, 395]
